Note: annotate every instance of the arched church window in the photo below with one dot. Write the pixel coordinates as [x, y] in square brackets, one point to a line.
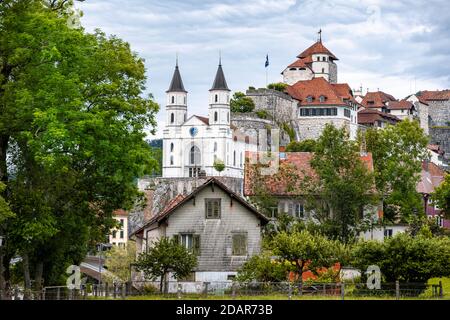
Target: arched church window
[185, 116]
[228, 117]
[234, 158]
[172, 118]
[247, 139]
[171, 147]
[194, 155]
[184, 100]
[173, 99]
[240, 160]
[171, 160]
[216, 98]
[323, 70]
[215, 116]
[215, 146]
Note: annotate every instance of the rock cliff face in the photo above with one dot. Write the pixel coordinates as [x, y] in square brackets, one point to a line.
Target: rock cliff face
[159, 191]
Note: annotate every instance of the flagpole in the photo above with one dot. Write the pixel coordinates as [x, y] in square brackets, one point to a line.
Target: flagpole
[266, 76]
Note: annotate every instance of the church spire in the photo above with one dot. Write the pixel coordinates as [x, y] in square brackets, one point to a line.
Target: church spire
[219, 82]
[176, 85]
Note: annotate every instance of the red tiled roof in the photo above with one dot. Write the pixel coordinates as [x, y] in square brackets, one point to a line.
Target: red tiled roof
[436, 148]
[288, 181]
[379, 99]
[434, 95]
[430, 178]
[399, 105]
[369, 116]
[120, 212]
[317, 47]
[316, 87]
[299, 63]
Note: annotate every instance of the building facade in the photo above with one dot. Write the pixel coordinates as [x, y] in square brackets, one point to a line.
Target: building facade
[119, 236]
[214, 223]
[191, 145]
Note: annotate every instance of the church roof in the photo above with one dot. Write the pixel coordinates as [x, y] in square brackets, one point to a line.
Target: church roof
[205, 120]
[176, 85]
[317, 47]
[219, 82]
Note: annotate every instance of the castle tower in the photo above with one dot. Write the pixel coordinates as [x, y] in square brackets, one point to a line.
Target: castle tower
[219, 100]
[176, 105]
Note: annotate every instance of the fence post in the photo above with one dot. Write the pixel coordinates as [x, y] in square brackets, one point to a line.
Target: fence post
[397, 290]
[290, 291]
[441, 291]
[342, 290]
[179, 290]
[233, 290]
[58, 293]
[206, 288]
[324, 291]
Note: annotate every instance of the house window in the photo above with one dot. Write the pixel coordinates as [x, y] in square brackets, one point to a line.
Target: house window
[173, 99]
[190, 241]
[216, 98]
[299, 210]
[194, 172]
[114, 234]
[388, 233]
[239, 244]
[121, 234]
[215, 116]
[172, 118]
[323, 70]
[247, 139]
[171, 147]
[347, 113]
[212, 208]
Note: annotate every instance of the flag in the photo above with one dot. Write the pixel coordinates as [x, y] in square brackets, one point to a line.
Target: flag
[267, 61]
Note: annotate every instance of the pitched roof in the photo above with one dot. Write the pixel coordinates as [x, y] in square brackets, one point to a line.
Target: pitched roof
[292, 170]
[205, 120]
[299, 63]
[219, 82]
[120, 212]
[399, 105]
[176, 85]
[440, 95]
[334, 93]
[317, 47]
[377, 99]
[431, 177]
[436, 148]
[181, 199]
[369, 116]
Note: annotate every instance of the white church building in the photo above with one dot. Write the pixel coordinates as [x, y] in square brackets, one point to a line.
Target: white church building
[192, 144]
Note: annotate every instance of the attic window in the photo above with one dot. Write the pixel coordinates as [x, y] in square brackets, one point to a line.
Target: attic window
[301, 69]
[370, 102]
[322, 98]
[309, 99]
[293, 69]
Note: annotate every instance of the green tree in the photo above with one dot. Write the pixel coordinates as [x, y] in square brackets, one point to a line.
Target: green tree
[158, 156]
[164, 256]
[405, 258]
[219, 165]
[279, 86]
[398, 152]
[344, 187]
[72, 119]
[442, 196]
[241, 103]
[307, 252]
[263, 268]
[119, 261]
[307, 145]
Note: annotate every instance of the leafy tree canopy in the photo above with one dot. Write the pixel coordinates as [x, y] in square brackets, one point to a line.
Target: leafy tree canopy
[442, 196]
[307, 145]
[241, 103]
[279, 86]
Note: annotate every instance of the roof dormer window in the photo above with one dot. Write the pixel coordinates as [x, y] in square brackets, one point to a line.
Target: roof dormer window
[309, 99]
[322, 98]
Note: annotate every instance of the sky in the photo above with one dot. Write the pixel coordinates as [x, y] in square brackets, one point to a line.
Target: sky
[399, 47]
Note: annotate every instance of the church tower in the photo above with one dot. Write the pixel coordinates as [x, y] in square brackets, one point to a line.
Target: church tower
[219, 100]
[176, 105]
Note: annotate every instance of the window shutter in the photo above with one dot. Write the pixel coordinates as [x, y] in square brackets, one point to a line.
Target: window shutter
[176, 237]
[196, 244]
